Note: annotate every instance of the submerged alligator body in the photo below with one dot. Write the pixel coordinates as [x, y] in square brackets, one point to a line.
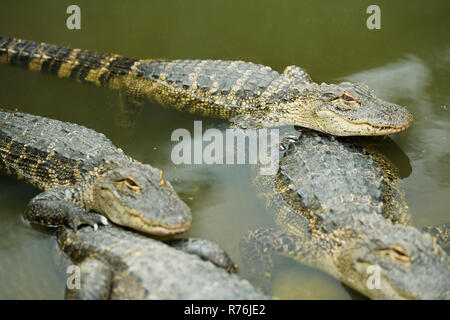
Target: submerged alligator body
[240, 91]
[339, 208]
[119, 264]
[85, 178]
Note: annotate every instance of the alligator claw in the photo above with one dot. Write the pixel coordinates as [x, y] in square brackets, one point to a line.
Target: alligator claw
[79, 218]
[103, 220]
[291, 138]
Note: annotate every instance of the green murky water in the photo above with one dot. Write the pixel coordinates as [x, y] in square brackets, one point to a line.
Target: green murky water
[407, 62]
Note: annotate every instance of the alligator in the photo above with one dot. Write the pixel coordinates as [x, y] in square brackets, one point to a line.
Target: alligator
[441, 233]
[340, 208]
[86, 179]
[242, 92]
[119, 264]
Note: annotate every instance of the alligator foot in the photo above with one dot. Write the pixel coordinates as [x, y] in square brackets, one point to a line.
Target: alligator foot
[78, 218]
[250, 121]
[256, 257]
[130, 107]
[259, 247]
[246, 122]
[205, 250]
[55, 208]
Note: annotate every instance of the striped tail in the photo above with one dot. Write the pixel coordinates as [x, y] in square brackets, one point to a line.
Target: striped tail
[81, 65]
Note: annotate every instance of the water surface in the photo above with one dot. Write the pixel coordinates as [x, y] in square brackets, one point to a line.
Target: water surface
[406, 62]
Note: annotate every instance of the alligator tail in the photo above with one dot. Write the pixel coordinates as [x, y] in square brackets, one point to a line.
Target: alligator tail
[81, 65]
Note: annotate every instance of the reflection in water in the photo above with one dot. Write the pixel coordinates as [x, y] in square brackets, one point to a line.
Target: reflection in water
[297, 281]
[387, 147]
[27, 271]
[407, 78]
[412, 81]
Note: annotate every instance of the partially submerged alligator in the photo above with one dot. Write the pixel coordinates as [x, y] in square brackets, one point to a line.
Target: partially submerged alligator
[248, 92]
[85, 178]
[119, 264]
[339, 208]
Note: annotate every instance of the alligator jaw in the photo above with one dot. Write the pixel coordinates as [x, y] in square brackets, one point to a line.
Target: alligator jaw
[159, 230]
[381, 131]
[385, 130]
[136, 221]
[340, 126]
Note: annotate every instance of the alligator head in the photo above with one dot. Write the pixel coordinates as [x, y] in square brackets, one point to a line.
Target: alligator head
[350, 109]
[408, 263]
[135, 195]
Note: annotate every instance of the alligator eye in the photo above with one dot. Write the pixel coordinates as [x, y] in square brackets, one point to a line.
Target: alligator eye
[396, 252]
[347, 98]
[131, 183]
[400, 251]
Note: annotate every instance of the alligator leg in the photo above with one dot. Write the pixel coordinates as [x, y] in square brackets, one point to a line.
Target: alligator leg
[55, 208]
[206, 250]
[253, 121]
[441, 233]
[95, 282]
[298, 74]
[131, 101]
[256, 260]
[245, 122]
[259, 246]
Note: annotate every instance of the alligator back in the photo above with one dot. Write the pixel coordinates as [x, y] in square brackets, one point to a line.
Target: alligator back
[329, 177]
[50, 153]
[236, 86]
[144, 268]
[321, 177]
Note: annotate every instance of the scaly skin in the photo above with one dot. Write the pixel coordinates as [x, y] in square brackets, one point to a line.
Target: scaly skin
[83, 175]
[441, 233]
[119, 264]
[232, 90]
[339, 208]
